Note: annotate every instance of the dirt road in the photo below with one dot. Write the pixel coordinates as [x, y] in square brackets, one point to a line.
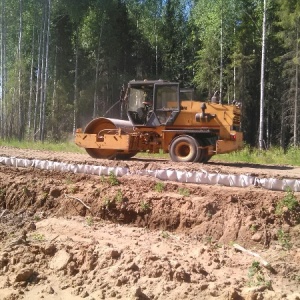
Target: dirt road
[70, 236]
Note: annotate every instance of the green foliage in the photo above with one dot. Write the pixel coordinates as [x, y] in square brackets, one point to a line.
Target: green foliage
[253, 228]
[72, 189]
[159, 187]
[274, 155]
[37, 218]
[184, 192]
[119, 196]
[89, 221]
[68, 179]
[102, 179]
[38, 237]
[208, 239]
[289, 202]
[284, 239]
[172, 39]
[165, 234]
[112, 179]
[256, 276]
[145, 206]
[2, 192]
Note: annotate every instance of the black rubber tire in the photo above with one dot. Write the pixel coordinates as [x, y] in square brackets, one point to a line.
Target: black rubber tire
[184, 148]
[205, 157]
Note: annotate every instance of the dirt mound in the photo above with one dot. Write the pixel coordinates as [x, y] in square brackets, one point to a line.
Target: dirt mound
[73, 236]
[221, 213]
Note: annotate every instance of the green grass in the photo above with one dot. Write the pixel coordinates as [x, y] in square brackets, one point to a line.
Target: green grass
[256, 276]
[149, 155]
[159, 187]
[112, 179]
[145, 206]
[248, 154]
[68, 146]
[271, 156]
[184, 192]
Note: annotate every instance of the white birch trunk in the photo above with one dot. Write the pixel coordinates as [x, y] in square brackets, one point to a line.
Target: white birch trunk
[95, 110]
[262, 79]
[37, 93]
[75, 86]
[31, 83]
[42, 91]
[296, 91]
[3, 43]
[46, 71]
[20, 124]
[54, 100]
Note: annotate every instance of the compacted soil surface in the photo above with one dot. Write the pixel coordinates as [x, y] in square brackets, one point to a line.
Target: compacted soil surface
[74, 236]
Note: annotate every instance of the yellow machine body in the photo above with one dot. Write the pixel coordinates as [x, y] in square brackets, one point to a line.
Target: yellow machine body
[188, 130]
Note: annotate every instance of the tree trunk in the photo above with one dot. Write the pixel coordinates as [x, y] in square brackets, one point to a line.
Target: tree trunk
[31, 83]
[46, 71]
[43, 62]
[296, 89]
[282, 128]
[262, 79]
[95, 110]
[54, 100]
[221, 55]
[37, 93]
[3, 70]
[75, 85]
[20, 124]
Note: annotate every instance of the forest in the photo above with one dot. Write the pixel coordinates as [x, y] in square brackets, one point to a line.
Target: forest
[63, 63]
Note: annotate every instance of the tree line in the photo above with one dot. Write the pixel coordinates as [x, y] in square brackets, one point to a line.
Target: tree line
[63, 63]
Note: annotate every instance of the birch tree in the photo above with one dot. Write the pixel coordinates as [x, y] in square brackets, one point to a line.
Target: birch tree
[45, 84]
[29, 116]
[214, 28]
[3, 69]
[75, 83]
[262, 78]
[21, 124]
[289, 15]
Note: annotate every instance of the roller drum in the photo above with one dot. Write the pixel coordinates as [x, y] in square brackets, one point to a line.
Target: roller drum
[100, 124]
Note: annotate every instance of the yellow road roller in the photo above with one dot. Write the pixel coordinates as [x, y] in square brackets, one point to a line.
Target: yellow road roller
[163, 117]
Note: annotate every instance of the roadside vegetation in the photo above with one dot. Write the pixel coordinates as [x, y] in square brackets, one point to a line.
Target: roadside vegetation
[272, 156]
[68, 146]
[275, 155]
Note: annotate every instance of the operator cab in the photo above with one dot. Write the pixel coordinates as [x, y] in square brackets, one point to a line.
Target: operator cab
[153, 103]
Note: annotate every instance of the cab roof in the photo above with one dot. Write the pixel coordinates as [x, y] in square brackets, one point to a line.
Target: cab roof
[148, 83]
